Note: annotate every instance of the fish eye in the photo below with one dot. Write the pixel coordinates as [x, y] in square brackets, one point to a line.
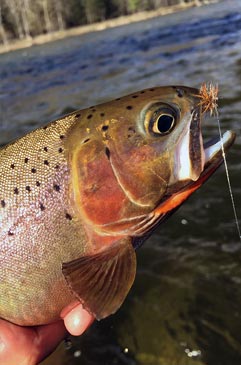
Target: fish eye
[163, 124]
[160, 119]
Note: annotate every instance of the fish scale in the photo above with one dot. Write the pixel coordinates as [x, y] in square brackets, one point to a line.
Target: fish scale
[43, 208]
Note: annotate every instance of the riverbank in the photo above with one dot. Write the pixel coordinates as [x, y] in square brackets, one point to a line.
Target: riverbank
[95, 27]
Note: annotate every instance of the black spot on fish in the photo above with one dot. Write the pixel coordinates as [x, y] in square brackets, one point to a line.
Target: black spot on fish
[105, 128]
[132, 132]
[152, 89]
[10, 233]
[37, 183]
[89, 116]
[26, 160]
[28, 188]
[46, 162]
[3, 204]
[180, 93]
[56, 187]
[143, 92]
[45, 127]
[16, 191]
[42, 207]
[102, 114]
[33, 170]
[46, 149]
[93, 110]
[86, 140]
[61, 136]
[107, 152]
[60, 150]
[12, 166]
[129, 107]
[134, 96]
[56, 167]
[68, 216]
[77, 115]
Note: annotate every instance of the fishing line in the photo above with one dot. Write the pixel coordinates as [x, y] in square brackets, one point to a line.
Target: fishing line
[208, 95]
[227, 174]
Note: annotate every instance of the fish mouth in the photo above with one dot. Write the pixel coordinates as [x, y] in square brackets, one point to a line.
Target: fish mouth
[213, 158]
[213, 151]
[194, 158]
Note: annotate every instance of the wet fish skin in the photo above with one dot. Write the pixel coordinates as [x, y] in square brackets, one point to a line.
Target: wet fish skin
[76, 194]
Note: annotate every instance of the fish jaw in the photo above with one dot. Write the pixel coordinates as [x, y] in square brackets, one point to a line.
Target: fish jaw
[213, 153]
[189, 155]
[213, 158]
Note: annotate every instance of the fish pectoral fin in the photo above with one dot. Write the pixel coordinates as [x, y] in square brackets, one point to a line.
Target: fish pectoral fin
[102, 281]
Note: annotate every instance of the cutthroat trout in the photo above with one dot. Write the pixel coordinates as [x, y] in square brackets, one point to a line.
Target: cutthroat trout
[80, 194]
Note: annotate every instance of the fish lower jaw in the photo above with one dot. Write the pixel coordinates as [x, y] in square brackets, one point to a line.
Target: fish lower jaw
[217, 146]
[211, 154]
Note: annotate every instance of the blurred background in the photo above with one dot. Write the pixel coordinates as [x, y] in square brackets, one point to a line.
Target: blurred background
[27, 19]
[184, 308]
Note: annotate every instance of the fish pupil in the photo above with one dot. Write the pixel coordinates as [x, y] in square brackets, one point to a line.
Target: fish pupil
[164, 123]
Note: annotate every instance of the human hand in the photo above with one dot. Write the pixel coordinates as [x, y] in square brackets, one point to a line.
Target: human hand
[30, 345]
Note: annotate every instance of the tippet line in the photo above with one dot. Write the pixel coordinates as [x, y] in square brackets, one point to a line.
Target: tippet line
[227, 174]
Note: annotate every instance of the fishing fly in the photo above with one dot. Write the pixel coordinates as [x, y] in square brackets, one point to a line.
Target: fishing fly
[208, 94]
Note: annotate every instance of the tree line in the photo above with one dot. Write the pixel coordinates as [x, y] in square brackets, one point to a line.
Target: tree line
[21, 19]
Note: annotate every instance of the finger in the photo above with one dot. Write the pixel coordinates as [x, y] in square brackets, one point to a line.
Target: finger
[48, 337]
[14, 344]
[28, 345]
[77, 320]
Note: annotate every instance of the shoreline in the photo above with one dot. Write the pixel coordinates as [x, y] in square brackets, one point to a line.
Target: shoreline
[95, 27]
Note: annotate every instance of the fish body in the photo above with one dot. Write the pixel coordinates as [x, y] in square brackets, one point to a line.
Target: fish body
[80, 194]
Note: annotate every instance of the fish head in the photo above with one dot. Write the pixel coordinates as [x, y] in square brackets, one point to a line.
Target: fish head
[158, 144]
[147, 157]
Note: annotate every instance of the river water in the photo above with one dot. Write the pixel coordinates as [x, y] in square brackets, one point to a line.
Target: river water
[184, 308]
